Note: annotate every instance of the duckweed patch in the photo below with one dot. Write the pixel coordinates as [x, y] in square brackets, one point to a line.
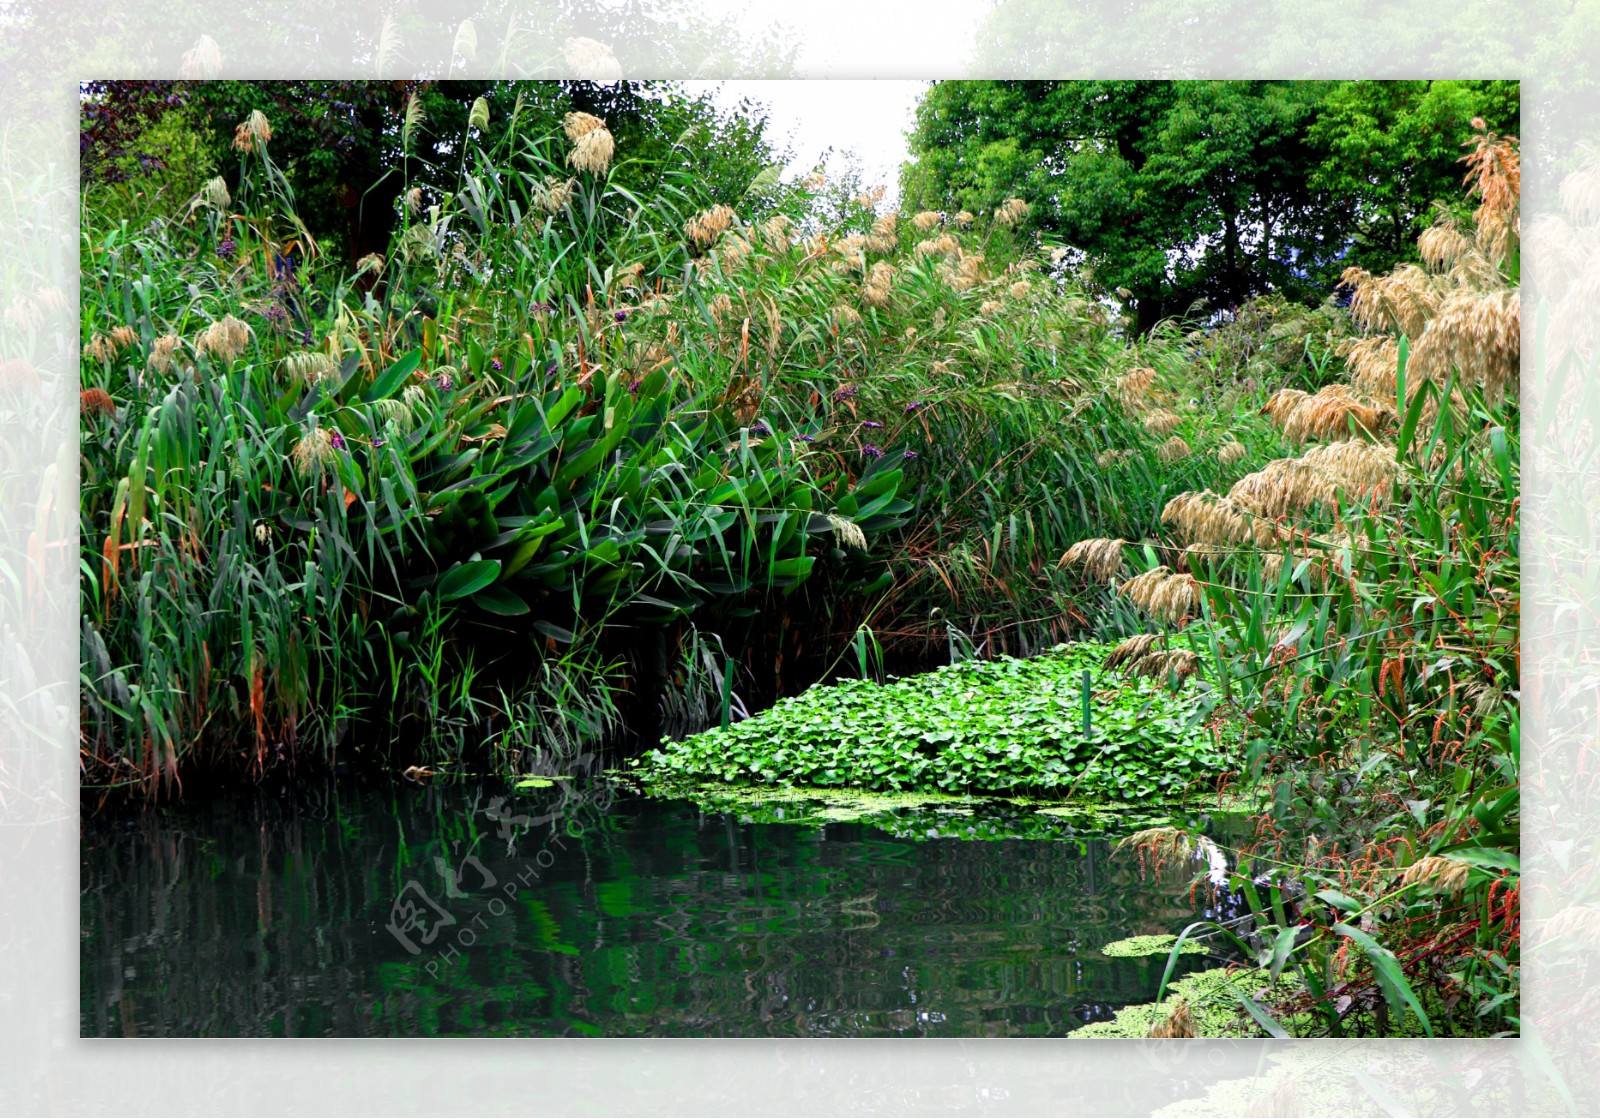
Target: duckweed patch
[980, 727]
[1158, 945]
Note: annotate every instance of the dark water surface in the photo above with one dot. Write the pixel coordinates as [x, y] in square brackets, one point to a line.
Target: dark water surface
[469, 910]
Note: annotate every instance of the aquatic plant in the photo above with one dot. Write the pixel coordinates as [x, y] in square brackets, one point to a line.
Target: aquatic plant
[1051, 724]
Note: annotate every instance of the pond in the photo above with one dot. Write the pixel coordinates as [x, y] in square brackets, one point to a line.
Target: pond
[468, 908]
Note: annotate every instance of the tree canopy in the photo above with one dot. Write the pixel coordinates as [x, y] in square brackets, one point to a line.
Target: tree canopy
[342, 143]
[1215, 190]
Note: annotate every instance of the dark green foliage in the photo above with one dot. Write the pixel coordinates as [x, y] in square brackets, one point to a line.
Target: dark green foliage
[1167, 187]
[997, 726]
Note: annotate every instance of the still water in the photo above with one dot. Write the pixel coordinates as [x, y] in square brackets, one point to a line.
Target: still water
[472, 909]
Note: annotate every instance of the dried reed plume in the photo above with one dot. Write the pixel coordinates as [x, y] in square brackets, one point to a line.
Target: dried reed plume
[1133, 387]
[96, 402]
[1020, 289]
[1440, 872]
[926, 220]
[1100, 557]
[1443, 243]
[1477, 332]
[1179, 1023]
[592, 152]
[1283, 403]
[252, 132]
[1138, 656]
[868, 198]
[988, 307]
[1372, 363]
[1329, 414]
[942, 245]
[1494, 170]
[706, 226]
[883, 238]
[1164, 594]
[1404, 300]
[733, 250]
[1173, 450]
[1112, 457]
[1231, 452]
[963, 219]
[775, 233]
[1161, 421]
[1282, 487]
[1011, 211]
[414, 201]
[224, 339]
[579, 125]
[1210, 518]
[846, 316]
[1359, 468]
[1160, 844]
[313, 453]
[105, 347]
[552, 195]
[162, 351]
[875, 292]
[1131, 650]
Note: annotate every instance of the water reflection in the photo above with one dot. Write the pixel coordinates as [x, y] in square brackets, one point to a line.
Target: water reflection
[465, 911]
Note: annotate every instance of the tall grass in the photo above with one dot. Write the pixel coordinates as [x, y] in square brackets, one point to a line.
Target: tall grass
[505, 485]
[1362, 601]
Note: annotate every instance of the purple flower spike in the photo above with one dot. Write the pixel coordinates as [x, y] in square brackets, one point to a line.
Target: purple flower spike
[909, 455]
[808, 439]
[759, 428]
[445, 382]
[871, 425]
[227, 247]
[496, 364]
[622, 316]
[869, 451]
[337, 440]
[913, 406]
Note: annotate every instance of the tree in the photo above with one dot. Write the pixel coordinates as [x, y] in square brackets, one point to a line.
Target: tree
[348, 157]
[1183, 191]
[1393, 149]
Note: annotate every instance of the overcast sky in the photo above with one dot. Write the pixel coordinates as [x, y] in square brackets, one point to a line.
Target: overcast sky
[866, 118]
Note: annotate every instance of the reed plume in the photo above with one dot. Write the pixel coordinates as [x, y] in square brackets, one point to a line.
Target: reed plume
[1439, 872]
[1161, 421]
[1331, 412]
[1100, 557]
[1163, 594]
[1173, 450]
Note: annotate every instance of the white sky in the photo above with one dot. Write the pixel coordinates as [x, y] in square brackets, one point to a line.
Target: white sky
[868, 119]
[842, 42]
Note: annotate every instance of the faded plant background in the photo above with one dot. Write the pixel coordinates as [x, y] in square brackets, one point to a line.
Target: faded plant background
[50, 44]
